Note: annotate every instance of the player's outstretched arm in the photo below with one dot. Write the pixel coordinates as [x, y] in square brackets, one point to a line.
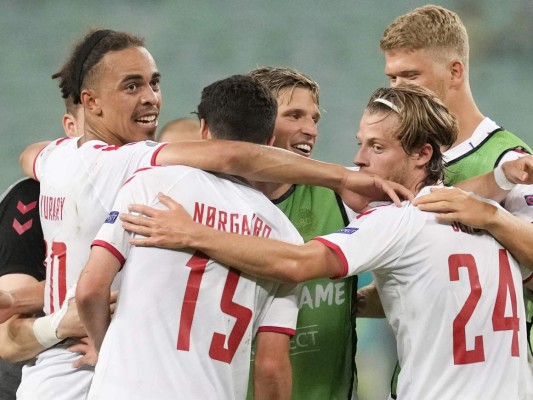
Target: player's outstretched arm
[270, 164]
[515, 234]
[93, 293]
[266, 258]
[272, 367]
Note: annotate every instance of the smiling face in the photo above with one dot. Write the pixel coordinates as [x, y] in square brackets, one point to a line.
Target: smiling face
[380, 152]
[296, 122]
[127, 95]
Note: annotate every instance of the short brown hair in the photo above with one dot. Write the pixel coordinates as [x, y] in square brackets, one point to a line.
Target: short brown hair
[428, 27]
[423, 119]
[278, 79]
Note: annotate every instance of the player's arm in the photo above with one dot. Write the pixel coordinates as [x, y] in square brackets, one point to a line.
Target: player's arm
[270, 164]
[272, 367]
[266, 258]
[515, 234]
[10, 285]
[93, 293]
[28, 156]
[20, 294]
[496, 184]
[368, 302]
[23, 336]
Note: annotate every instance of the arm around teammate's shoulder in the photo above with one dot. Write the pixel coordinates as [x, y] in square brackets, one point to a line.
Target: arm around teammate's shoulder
[28, 156]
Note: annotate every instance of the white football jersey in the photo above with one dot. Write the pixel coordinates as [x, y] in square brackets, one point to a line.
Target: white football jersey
[78, 188]
[453, 297]
[184, 323]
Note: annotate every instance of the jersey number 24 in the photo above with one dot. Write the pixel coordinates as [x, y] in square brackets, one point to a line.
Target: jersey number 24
[500, 322]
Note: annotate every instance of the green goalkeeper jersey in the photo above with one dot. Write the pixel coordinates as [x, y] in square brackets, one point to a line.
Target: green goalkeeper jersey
[323, 349]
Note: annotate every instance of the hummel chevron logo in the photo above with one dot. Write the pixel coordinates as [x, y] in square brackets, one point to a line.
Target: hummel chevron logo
[20, 229]
[24, 208]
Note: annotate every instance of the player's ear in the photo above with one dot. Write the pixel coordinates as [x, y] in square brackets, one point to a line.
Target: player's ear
[69, 125]
[90, 102]
[271, 141]
[204, 130]
[457, 71]
[423, 155]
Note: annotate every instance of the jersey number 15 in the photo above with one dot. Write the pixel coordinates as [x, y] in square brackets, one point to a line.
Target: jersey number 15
[218, 350]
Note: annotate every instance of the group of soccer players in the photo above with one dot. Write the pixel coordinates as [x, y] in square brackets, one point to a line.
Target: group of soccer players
[184, 322]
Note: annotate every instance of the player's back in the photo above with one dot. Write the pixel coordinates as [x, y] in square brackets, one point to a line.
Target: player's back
[478, 347]
[457, 314]
[78, 187]
[453, 297]
[184, 324]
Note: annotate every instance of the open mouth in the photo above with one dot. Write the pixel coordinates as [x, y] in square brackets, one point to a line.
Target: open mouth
[147, 119]
[303, 149]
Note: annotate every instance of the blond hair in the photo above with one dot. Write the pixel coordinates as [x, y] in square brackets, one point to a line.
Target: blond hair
[279, 79]
[423, 119]
[428, 28]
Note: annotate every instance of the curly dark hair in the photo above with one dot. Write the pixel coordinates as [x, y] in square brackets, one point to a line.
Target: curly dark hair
[79, 69]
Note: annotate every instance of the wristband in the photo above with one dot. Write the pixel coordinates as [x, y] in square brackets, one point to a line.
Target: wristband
[501, 179]
[45, 328]
[44, 331]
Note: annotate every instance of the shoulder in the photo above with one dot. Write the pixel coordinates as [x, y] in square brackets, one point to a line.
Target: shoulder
[25, 187]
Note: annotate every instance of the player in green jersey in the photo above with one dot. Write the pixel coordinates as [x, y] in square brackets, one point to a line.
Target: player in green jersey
[323, 349]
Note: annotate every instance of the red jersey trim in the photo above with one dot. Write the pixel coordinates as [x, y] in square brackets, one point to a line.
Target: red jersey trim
[277, 329]
[340, 254]
[156, 152]
[111, 249]
[528, 278]
[365, 213]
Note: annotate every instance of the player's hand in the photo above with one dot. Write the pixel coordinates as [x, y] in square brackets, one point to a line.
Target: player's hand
[89, 355]
[71, 325]
[453, 204]
[6, 306]
[519, 170]
[162, 228]
[360, 189]
[368, 303]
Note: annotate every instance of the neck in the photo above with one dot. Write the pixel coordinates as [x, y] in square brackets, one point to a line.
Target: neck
[467, 113]
[272, 190]
[93, 133]
[415, 183]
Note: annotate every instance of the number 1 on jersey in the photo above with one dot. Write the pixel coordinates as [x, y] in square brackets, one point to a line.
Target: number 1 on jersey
[243, 316]
[58, 258]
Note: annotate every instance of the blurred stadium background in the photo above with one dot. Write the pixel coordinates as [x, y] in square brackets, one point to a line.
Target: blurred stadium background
[197, 41]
